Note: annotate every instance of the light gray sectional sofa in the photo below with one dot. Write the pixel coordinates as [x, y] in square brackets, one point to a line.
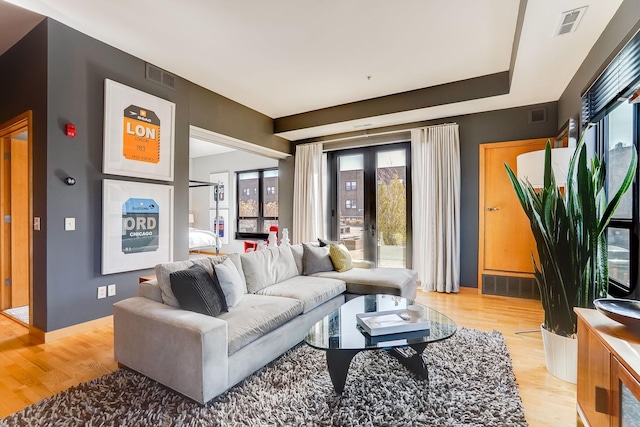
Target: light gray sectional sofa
[201, 356]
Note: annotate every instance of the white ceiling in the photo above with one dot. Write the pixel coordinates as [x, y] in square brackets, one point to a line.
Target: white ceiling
[283, 57]
[200, 148]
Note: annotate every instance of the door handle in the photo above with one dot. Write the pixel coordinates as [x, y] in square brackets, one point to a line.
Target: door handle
[602, 400]
[491, 208]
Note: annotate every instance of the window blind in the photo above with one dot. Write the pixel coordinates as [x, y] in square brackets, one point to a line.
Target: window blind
[618, 80]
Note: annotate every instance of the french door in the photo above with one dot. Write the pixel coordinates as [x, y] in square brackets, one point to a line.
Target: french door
[370, 202]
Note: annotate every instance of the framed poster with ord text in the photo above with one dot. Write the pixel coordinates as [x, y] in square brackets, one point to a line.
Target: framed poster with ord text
[138, 133]
[137, 225]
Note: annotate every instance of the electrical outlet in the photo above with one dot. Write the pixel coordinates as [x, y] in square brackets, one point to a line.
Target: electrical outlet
[111, 290]
[102, 292]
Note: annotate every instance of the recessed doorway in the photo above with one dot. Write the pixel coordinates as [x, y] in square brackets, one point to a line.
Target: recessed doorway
[15, 219]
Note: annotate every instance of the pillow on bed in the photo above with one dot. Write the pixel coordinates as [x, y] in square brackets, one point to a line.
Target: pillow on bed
[315, 259]
[197, 291]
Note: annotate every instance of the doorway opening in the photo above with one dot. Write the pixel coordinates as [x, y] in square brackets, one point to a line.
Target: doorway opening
[15, 219]
[370, 202]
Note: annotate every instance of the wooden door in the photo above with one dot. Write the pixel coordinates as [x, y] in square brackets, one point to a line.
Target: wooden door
[5, 226]
[505, 240]
[19, 221]
[15, 213]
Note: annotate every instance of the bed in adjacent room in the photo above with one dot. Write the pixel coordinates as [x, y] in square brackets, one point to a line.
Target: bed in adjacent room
[202, 241]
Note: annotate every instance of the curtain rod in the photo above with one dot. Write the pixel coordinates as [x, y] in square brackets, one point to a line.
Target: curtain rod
[366, 134]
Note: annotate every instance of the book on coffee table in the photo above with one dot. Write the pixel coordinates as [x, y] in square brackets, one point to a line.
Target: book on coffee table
[389, 322]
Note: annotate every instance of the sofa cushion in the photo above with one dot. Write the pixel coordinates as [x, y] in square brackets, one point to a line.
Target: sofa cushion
[315, 259]
[150, 290]
[257, 315]
[164, 270]
[340, 257]
[311, 291]
[197, 291]
[297, 251]
[266, 267]
[363, 281]
[230, 282]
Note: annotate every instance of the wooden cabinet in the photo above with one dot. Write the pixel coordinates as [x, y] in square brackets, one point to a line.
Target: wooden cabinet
[608, 388]
[625, 389]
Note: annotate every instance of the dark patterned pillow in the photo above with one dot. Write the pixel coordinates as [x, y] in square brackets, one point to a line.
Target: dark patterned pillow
[325, 242]
[315, 259]
[197, 291]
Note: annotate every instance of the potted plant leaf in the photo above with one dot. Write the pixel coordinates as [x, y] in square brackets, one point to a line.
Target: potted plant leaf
[569, 228]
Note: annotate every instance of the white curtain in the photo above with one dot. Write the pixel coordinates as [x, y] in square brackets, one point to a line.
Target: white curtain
[435, 177]
[308, 209]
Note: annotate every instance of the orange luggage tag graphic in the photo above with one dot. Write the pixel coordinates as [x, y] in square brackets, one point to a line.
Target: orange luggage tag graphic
[141, 135]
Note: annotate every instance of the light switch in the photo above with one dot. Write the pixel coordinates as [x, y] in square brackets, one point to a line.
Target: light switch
[69, 224]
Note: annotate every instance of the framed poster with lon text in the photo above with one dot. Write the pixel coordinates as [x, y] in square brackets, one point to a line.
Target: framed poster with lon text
[138, 133]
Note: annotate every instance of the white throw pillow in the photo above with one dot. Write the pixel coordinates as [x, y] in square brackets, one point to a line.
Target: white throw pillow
[230, 282]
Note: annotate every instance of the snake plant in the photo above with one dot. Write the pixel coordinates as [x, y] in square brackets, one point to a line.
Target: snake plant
[569, 229]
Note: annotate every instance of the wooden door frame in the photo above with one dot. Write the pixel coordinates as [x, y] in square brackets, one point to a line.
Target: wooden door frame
[9, 128]
[481, 202]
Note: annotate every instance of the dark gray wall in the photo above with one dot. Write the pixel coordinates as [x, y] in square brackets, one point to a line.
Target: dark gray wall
[475, 129]
[622, 27]
[211, 111]
[77, 68]
[23, 85]
[463, 90]
[286, 170]
[59, 73]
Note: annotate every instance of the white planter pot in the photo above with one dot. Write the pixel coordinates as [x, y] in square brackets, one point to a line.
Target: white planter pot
[561, 354]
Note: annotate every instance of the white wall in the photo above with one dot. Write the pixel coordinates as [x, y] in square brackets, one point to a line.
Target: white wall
[231, 162]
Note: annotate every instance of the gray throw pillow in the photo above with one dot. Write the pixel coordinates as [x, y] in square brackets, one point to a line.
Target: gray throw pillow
[230, 282]
[315, 259]
[197, 291]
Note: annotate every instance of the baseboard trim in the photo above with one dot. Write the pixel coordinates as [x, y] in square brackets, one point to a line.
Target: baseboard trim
[38, 336]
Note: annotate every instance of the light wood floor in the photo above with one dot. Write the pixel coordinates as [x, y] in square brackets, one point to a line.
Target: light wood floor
[29, 373]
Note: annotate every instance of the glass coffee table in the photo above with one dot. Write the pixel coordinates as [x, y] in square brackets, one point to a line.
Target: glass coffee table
[340, 336]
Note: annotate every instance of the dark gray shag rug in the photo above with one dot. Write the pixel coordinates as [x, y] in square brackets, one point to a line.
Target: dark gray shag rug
[471, 384]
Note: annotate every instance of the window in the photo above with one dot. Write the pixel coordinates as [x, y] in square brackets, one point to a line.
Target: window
[616, 135]
[350, 204]
[350, 185]
[257, 203]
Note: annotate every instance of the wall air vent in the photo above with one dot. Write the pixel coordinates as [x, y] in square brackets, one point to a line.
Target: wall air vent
[160, 76]
[569, 21]
[539, 115]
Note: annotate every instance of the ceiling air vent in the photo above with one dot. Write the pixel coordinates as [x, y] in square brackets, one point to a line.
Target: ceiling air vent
[160, 76]
[569, 21]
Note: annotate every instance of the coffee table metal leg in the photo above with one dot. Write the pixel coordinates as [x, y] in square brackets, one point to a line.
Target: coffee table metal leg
[415, 363]
[338, 362]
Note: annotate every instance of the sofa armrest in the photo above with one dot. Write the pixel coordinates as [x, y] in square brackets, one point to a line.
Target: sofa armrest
[181, 349]
[360, 263]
